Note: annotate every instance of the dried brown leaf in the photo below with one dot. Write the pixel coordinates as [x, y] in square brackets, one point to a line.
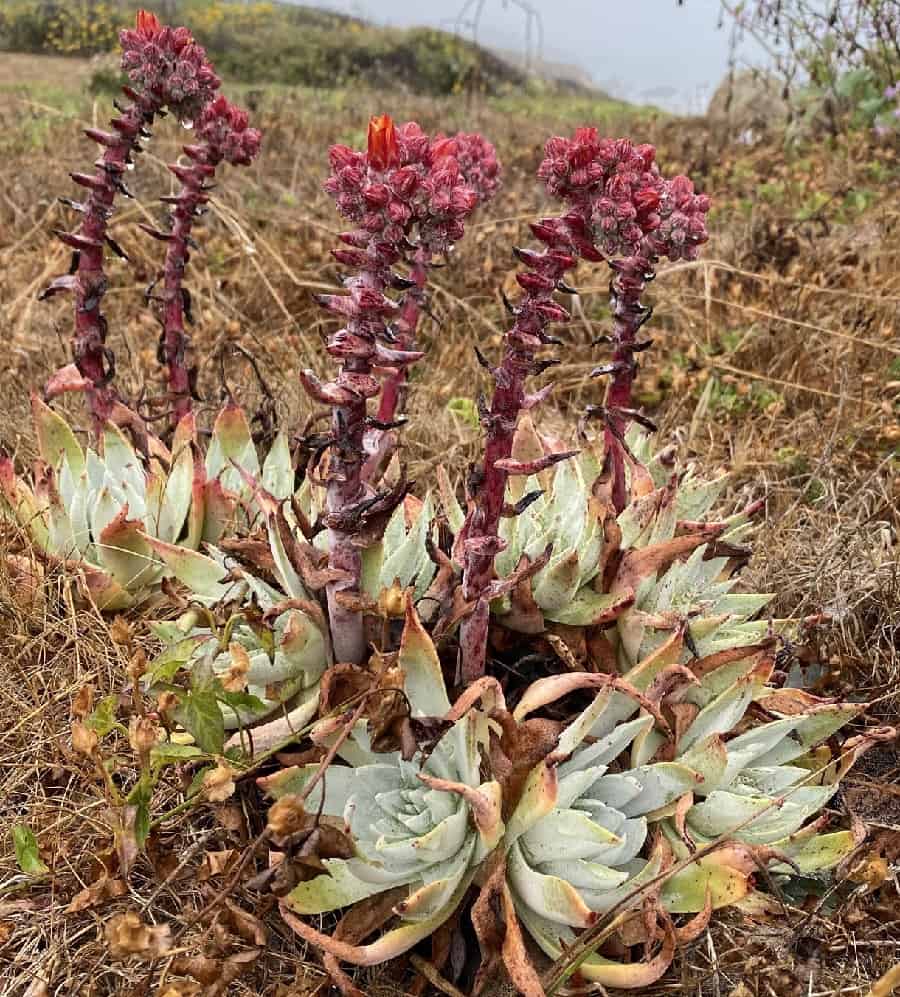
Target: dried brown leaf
[103, 889]
[127, 935]
[246, 925]
[218, 783]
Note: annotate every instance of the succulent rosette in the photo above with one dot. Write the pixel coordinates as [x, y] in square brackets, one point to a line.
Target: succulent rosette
[285, 648]
[604, 819]
[110, 511]
[97, 510]
[662, 547]
[424, 824]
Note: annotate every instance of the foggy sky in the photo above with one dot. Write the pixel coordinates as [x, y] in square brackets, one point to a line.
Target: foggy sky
[649, 51]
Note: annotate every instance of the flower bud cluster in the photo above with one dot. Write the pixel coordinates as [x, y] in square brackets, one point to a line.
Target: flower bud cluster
[407, 188]
[616, 188]
[168, 66]
[478, 163]
[223, 128]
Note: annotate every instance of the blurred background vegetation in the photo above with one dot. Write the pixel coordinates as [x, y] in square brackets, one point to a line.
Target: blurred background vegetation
[258, 42]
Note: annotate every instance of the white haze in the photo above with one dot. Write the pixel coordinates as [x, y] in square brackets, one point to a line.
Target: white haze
[646, 51]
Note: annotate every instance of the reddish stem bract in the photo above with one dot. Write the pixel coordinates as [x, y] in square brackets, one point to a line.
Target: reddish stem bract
[223, 134]
[619, 207]
[167, 71]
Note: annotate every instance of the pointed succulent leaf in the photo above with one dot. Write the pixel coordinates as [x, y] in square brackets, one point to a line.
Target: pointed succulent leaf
[201, 574]
[55, 439]
[422, 676]
[126, 555]
[278, 470]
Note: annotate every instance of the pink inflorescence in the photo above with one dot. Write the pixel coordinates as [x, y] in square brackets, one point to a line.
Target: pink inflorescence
[444, 204]
[682, 227]
[403, 182]
[478, 163]
[166, 64]
[616, 190]
[224, 129]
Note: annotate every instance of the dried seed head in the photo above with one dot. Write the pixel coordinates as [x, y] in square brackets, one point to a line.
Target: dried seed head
[218, 783]
[127, 935]
[121, 632]
[84, 740]
[142, 735]
[235, 679]
[286, 816]
[83, 702]
[137, 666]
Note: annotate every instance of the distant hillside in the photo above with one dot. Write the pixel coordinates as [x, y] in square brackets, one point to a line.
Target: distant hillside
[259, 42]
[563, 74]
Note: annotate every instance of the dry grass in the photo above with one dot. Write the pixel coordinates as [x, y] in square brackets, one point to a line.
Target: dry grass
[786, 336]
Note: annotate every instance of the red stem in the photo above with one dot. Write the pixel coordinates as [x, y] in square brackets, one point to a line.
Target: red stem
[176, 341]
[628, 316]
[480, 531]
[93, 358]
[344, 491]
[392, 391]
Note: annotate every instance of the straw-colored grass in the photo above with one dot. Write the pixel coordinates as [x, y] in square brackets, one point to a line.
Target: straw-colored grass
[785, 336]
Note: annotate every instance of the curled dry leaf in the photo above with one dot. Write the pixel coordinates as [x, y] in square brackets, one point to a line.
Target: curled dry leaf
[215, 975]
[218, 783]
[215, 864]
[83, 702]
[167, 702]
[105, 888]
[245, 925]
[84, 740]
[235, 678]
[127, 935]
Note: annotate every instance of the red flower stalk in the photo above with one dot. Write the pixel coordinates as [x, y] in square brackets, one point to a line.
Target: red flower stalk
[222, 134]
[480, 172]
[679, 216]
[375, 190]
[167, 71]
[618, 206]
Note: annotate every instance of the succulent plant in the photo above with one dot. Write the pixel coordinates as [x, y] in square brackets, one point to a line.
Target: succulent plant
[672, 808]
[287, 641]
[276, 620]
[287, 651]
[578, 839]
[644, 569]
[617, 206]
[424, 824]
[102, 511]
[94, 509]
[403, 186]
